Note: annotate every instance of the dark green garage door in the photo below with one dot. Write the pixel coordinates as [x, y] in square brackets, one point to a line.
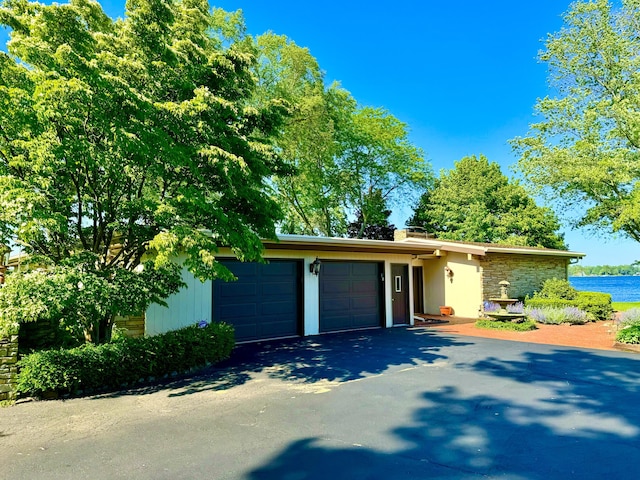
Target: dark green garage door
[263, 303]
[350, 296]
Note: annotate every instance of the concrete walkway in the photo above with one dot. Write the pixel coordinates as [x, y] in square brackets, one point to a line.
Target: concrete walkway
[385, 404]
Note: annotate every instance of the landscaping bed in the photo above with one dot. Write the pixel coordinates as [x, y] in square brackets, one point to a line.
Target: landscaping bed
[598, 335]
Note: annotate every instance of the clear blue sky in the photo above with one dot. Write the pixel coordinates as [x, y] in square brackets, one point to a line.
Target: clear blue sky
[463, 75]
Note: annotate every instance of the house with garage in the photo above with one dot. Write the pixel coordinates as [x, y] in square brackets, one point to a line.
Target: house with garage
[314, 285]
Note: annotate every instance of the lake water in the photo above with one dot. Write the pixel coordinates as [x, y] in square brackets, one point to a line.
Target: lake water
[622, 288]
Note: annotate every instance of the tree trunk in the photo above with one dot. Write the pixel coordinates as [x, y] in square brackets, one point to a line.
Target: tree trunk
[100, 330]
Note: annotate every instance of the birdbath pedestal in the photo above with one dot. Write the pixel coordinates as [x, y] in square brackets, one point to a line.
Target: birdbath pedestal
[504, 301]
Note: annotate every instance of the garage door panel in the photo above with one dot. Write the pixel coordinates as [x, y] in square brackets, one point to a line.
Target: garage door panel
[245, 331]
[336, 269]
[364, 269]
[279, 288]
[358, 304]
[277, 308]
[350, 296]
[275, 328]
[278, 269]
[337, 304]
[339, 322]
[239, 310]
[366, 320]
[242, 269]
[235, 290]
[265, 301]
[366, 286]
[336, 287]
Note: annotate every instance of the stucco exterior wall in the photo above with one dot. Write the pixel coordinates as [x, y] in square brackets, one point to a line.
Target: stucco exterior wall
[526, 273]
[434, 284]
[462, 291]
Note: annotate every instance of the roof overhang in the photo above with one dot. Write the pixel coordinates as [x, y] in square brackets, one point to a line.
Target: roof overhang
[419, 247]
[484, 249]
[334, 244]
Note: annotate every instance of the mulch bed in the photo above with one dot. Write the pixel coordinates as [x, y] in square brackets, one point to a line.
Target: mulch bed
[597, 335]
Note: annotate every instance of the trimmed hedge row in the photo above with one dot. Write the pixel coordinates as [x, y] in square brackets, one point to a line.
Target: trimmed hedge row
[596, 303]
[124, 361]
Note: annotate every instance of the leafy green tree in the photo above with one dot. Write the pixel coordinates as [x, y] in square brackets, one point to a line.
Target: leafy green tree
[372, 221]
[312, 199]
[475, 202]
[121, 137]
[585, 150]
[75, 296]
[339, 149]
[377, 159]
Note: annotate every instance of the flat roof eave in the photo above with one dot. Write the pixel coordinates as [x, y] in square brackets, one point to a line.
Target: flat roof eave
[415, 246]
[332, 244]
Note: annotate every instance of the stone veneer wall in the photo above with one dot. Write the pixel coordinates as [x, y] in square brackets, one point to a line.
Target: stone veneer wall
[8, 367]
[133, 324]
[526, 273]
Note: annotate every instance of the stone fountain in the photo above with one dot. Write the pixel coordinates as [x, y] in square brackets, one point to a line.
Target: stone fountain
[504, 301]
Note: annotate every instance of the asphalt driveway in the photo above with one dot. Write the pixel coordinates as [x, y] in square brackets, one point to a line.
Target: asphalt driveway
[384, 404]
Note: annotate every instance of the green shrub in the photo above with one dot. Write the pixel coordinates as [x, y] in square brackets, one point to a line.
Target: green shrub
[597, 304]
[556, 288]
[525, 326]
[124, 361]
[629, 334]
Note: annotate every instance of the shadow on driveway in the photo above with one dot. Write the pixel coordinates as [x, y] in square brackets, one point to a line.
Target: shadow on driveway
[333, 357]
[559, 414]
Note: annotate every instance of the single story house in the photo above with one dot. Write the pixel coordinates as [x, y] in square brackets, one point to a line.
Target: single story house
[312, 285]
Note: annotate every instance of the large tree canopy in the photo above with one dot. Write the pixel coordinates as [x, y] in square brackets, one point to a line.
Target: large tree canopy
[341, 150]
[585, 151]
[118, 136]
[475, 202]
[372, 221]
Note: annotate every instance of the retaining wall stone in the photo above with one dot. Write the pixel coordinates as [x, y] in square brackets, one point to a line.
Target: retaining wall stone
[8, 367]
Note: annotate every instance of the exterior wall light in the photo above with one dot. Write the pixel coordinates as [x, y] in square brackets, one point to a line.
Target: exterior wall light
[314, 267]
[449, 273]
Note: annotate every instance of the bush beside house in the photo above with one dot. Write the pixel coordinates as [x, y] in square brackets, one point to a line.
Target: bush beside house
[559, 294]
[123, 362]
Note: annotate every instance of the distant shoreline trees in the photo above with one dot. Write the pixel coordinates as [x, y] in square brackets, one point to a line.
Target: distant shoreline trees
[599, 270]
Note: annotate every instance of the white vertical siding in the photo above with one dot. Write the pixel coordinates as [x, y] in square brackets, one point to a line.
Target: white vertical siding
[190, 305]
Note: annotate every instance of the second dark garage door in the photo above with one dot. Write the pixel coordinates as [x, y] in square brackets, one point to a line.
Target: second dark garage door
[263, 303]
[350, 296]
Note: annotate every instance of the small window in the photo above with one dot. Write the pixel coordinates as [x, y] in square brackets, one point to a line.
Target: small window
[398, 283]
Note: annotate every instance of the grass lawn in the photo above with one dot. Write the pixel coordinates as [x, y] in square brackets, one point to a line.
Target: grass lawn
[622, 306]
